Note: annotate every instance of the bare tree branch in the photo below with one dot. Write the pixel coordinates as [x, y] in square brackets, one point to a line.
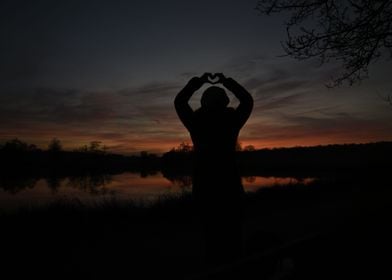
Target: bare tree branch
[352, 33]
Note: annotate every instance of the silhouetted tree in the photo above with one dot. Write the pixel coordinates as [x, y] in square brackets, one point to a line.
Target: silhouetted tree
[147, 155]
[16, 145]
[97, 147]
[143, 154]
[185, 147]
[94, 147]
[249, 148]
[55, 145]
[353, 33]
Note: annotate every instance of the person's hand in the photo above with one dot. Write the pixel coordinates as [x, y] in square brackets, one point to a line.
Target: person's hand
[226, 82]
[217, 78]
[222, 79]
[197, 82]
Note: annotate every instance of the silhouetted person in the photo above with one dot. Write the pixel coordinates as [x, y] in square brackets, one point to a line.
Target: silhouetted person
[217, 187]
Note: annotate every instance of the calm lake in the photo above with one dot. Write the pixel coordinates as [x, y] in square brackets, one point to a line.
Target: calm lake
[16, 192]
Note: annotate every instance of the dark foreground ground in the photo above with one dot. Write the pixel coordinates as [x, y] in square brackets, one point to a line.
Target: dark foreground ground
[336, 228]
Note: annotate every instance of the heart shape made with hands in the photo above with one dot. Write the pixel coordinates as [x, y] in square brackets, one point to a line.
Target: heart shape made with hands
[214, 78]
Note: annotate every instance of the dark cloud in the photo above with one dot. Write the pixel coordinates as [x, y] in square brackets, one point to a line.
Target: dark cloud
[341, 126]
[54, 105]
[152, 101]
[189, 75]
[283, 87]
[111, 135]
[154, 88]
[272, 77]
[244, 65]
[132, 118]
[279, 102]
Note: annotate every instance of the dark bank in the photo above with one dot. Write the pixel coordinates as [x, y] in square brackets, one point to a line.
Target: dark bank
[321, 230]
[335, 224]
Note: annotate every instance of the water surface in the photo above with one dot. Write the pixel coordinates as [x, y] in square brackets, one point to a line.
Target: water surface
[16, 192]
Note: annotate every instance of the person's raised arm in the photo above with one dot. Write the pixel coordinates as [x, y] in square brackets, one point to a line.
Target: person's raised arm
[181, 102]
[246, 101]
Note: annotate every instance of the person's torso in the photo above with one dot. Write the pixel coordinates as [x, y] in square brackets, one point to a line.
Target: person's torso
[215, 133]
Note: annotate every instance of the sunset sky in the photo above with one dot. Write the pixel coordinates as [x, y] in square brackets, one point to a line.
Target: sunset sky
[108, 71]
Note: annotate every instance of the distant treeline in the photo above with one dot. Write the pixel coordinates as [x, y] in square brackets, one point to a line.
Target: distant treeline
[19, 157]
[298, 160]
[330, 157]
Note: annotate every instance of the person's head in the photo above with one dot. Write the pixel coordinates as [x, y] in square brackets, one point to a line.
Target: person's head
[214, 98]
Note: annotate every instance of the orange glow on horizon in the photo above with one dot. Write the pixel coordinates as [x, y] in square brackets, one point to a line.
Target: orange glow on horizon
[129, 142]
[159, 147]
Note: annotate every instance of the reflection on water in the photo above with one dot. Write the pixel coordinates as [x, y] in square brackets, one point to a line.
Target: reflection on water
[17, 191]
[253, 183]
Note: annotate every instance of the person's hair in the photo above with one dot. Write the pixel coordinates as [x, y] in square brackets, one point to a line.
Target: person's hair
[214, 98]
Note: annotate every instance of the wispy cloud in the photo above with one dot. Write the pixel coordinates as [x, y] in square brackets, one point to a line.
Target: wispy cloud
[303, 130]
[126, 120]
[288, 111]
